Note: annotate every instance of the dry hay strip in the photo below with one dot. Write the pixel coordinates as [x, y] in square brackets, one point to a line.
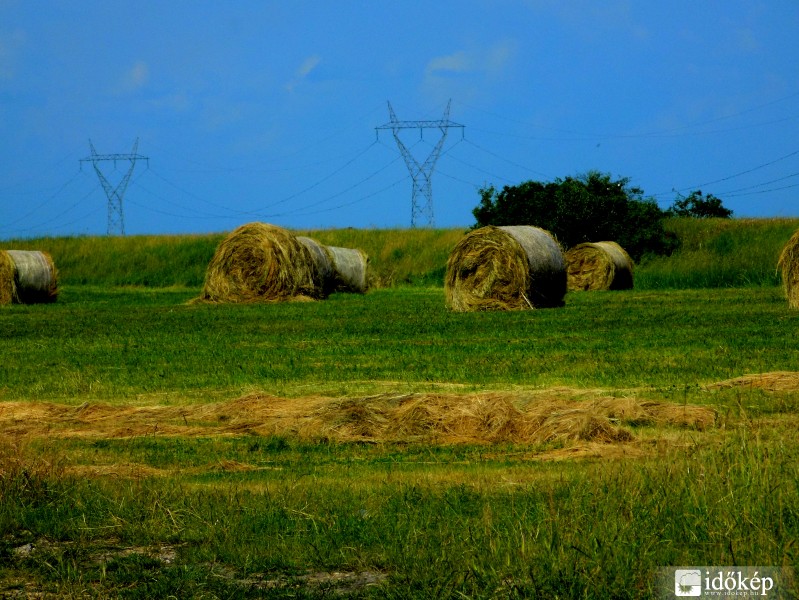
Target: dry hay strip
[775, 381]
[259, 262]
[340, 269]
[598, 266]
[27, 277]
[505, 268]
[421, 418]
[788, 265]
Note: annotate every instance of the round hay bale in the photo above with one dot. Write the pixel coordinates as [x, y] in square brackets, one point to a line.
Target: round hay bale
[323, 261]
[788, 265]
[505, 268]
[6, 278]
[27, 277]
[350, 266]
[340, 269]
[259, 262]
[598, 266]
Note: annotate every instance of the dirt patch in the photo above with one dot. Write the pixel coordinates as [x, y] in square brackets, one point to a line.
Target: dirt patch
[105, 552]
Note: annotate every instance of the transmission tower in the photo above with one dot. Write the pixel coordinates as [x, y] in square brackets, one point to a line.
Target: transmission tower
[421, 174]
[116, 216]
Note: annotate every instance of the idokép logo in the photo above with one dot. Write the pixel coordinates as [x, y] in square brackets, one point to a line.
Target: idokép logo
[724, 582]
[687, 582]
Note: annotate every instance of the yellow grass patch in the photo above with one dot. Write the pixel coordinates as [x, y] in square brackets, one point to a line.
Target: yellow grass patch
[776, 381]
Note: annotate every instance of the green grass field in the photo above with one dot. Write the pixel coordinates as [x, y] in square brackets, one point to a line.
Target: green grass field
[380, 446]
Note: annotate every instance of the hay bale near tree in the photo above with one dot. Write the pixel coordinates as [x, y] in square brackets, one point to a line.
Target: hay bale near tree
[505, 268]
[598, 266]
[259, 262]
[27, 277]
[341, 269]
[788, 265]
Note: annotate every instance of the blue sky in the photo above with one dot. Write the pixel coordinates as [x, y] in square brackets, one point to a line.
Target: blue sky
[266, 111]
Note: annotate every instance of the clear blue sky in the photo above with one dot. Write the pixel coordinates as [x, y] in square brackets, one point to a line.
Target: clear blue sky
[266, 110]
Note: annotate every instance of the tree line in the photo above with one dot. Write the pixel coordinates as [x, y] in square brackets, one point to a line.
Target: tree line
[594, 207]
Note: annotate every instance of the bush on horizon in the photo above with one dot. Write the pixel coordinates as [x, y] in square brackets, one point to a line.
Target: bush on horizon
[588, 208]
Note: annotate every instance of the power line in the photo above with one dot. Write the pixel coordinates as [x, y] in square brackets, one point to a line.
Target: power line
[320, 181]
[728, 177]
[37, 209]
[361, 199]
[669, 132]
[336, 195]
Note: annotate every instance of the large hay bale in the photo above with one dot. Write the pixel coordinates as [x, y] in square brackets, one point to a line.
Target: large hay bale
[27, 277]
[598, 266]
[350, 266]
[505, 268]
[259, 262]
[322, 260]
[788, 264]
[6, 278]
[341, 269]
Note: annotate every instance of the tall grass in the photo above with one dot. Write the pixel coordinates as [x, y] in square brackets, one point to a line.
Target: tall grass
[713, 253]
[414, 522]
[719, 253]
[141, 260]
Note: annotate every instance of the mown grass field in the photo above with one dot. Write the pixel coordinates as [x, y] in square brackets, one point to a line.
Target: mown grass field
[379, 446]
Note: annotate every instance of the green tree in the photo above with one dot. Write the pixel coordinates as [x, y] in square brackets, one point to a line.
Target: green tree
[587, 208]
[698, 206]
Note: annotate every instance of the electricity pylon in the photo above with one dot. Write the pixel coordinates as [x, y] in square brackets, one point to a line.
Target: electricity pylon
[116, 216]
[421, 174]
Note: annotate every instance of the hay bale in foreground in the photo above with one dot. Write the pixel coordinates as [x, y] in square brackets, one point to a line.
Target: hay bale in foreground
[598, 266]
[27, 277]
[788, 265]
[505, 268]
[259, 262]
[341, 269]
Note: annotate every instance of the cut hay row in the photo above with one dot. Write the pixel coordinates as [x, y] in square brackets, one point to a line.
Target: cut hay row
[258, 262]
[776, 381]
[487, 418]
[596, 266]
[505, 268]
[788, 266]
[27, 277]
